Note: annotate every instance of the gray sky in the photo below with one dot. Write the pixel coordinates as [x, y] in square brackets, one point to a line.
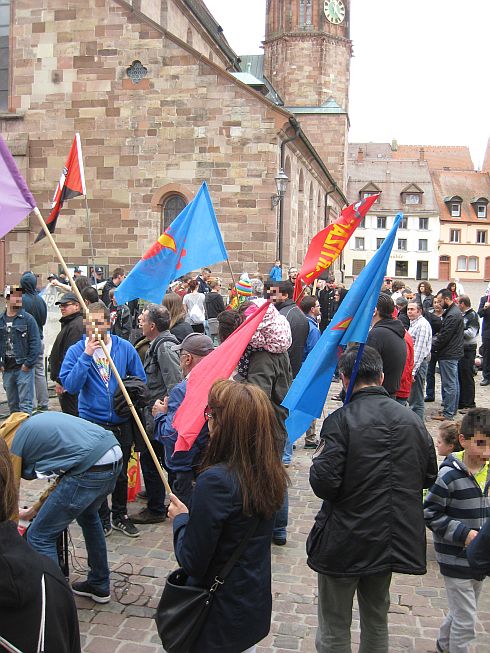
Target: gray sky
[420, 71]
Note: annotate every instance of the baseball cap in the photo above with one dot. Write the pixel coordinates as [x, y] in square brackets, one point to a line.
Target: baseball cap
[196, 343]
[66, 298]
[99, 270]
[51, 276]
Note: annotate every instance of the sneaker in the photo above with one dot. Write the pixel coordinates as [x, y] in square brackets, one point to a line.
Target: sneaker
[126, 526]
[107, 528]
[82, 588]
[485, 382]
[312, 445]
[279, 541]
[145, 516]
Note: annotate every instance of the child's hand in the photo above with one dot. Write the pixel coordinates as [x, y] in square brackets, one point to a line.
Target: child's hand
[471, 536]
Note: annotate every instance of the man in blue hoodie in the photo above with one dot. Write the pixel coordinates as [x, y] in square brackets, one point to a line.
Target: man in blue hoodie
[86, 371]
[36, 306]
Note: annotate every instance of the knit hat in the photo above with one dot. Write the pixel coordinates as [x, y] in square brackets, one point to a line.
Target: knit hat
[244, 286]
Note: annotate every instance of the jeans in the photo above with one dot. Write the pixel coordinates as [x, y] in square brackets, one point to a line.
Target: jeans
[430, 386]
[466, 378]
[450, 387]
[416, 398]
[40, 382]
[310, 435]
[77, 497]
[281, 519]
[287, 454]
[335, 597]
[19, 387]
[155, 490]
[458, 628]
[119, 503]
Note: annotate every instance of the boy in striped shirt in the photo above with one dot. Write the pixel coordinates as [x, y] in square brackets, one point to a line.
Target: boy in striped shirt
[455, 509]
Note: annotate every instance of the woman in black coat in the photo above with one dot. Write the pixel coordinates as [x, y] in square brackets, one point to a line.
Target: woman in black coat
[242, 481]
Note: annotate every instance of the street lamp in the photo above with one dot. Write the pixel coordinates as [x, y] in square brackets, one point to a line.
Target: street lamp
[281, 180]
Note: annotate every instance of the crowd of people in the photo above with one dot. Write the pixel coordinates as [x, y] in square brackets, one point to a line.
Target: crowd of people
[230, 490]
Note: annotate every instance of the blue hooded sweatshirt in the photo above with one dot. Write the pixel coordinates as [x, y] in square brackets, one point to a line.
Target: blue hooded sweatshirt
[32, 302]
[79, 375]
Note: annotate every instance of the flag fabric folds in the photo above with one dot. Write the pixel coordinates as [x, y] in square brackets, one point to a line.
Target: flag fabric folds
[191, 241]
[326, 246]
[219, 364]
[71, 184]
[16, 200]
[308, 392]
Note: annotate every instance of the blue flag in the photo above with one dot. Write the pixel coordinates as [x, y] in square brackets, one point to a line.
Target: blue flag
[308, 392]
[191, 241]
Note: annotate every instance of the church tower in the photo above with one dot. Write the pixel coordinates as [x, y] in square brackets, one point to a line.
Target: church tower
[307, 51]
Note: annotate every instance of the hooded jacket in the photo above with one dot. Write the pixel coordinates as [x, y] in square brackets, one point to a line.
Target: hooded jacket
[32, 302]
[388, 338]
[21, 570]
[79, 375]
[455, 505]
[374, 459]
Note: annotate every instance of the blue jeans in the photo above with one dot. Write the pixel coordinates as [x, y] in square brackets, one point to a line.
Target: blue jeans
[77, 497]
[287, 454]
[19, 387]
[450, 387]
[281, 519]
[430, 379]
[416, 398]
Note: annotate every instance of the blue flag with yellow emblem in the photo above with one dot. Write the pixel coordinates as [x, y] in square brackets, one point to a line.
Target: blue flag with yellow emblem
[308, 392]
[190, 242]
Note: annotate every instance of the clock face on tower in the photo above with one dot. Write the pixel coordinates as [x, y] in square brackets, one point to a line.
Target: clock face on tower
[334, 11]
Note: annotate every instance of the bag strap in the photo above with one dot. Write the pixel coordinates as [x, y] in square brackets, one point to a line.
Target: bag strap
[220, 578]
[42, 626]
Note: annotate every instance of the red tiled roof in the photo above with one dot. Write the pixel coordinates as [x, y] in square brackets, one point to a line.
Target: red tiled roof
[438, 157]
[465, 184]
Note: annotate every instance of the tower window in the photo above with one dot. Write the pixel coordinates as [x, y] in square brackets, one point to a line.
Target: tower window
[305, 13]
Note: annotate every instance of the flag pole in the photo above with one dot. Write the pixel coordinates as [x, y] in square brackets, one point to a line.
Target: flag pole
[232, 275]
[355, 369]
[91, 242]
[117, 376]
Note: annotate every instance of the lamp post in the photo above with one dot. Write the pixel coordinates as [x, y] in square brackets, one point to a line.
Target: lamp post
[281, 180]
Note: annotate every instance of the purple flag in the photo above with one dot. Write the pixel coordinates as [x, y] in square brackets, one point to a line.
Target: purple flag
[16, 200]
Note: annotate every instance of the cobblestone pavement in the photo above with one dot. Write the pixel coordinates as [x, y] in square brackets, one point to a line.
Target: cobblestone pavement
[139, 567]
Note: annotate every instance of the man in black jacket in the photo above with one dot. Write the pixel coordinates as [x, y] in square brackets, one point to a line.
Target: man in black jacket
[72, 330]
[374, 459]
[484, 313]
[297, 321]
[449, 344]
[387, 337]
[326, 297]
[466, 364]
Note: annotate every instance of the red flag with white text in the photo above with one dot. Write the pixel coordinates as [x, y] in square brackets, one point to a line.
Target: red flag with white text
[71, 184]
[326, 246]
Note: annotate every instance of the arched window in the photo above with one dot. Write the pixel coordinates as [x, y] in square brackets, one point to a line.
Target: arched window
[305, 9]
[171, 206]
[4, 53]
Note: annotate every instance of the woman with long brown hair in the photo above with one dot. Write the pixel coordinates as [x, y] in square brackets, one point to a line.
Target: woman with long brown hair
[242, 481]
[30, 582]
[175, 306]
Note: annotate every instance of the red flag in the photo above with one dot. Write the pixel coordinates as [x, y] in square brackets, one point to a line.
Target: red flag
[326, 246]
[189, 418]
[71, 184]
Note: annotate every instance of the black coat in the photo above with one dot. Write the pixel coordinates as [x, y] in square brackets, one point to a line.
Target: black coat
[449, 342]
[72, 330]
[485, 314]
[300, 329]
[21, 570]
[181, 330]
[387, 337]
[478, 552]
[214, 304]
[404, 319]
[328, 305]
[374, 459]
[204, 540]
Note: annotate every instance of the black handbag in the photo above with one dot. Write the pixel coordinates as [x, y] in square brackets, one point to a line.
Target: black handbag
[183, 608]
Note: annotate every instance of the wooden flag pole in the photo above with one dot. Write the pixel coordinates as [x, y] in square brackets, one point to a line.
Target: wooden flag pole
[141, 428]
[92, 251]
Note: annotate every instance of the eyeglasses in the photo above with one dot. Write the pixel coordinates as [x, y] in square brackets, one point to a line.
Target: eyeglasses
[208, 413]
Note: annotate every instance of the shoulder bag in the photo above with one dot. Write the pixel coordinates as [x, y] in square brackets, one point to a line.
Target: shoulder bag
[183, 608]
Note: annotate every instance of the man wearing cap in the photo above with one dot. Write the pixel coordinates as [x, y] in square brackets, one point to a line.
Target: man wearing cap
[20, 345]
[72, 330]
[182, 465]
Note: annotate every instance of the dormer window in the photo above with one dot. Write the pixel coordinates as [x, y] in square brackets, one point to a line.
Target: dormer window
[480, 206]
[454, 205]
[369, 190]
[412, 194]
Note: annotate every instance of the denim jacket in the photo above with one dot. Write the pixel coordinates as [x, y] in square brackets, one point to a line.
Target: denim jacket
[27, 342]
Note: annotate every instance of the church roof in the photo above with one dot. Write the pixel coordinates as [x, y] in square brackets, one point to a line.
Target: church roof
[214, 29]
